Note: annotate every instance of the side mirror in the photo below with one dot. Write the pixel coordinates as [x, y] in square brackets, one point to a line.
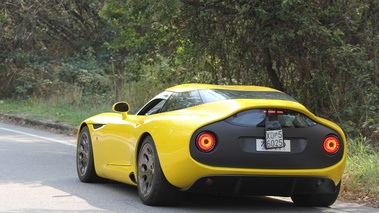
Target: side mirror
[121, 107]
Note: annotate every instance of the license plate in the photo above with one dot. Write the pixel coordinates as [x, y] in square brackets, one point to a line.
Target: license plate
[261, 146]
[274, 139]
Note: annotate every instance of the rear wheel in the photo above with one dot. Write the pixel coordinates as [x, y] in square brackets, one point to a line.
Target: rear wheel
[84, 158]
[323, 200]
[153, 187]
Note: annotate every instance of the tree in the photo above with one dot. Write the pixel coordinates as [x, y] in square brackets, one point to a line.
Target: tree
[37, 33]
[309, 49]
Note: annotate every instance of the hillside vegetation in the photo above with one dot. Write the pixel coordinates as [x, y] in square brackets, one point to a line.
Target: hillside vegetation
[324, 53]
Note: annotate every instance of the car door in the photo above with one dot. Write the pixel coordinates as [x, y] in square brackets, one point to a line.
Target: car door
[118, 142]
[120, 138]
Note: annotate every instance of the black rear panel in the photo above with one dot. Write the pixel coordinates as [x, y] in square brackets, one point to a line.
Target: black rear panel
[277, 186]
[237, 147]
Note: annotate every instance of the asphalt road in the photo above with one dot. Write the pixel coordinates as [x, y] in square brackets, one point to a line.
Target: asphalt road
[38, 174]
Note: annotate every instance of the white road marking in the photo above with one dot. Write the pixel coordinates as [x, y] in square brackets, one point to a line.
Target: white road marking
[37, 136]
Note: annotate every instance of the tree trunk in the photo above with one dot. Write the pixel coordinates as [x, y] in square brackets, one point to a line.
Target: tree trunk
[273, 76]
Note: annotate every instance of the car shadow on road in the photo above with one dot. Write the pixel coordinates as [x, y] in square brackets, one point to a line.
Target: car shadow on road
[211, 203]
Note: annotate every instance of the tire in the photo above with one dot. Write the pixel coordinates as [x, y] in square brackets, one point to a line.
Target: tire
[153, 187]
[321, 200]
[84, 158]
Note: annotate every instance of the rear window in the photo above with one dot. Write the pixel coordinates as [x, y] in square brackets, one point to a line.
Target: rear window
[219, 94]
[256, 118]
[184, 100]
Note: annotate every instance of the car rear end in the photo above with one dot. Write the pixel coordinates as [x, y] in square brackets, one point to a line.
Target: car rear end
[263, 143]
[297, 160]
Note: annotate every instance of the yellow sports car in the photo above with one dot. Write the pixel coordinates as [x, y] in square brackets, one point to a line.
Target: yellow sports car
[224, 140]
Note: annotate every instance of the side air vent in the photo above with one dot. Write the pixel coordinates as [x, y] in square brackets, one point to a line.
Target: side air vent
[98, 126]
[132, 177]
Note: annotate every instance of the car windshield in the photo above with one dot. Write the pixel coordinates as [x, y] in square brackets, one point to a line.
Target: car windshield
[210, 95]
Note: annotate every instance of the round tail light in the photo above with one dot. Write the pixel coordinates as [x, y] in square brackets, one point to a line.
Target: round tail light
[205, 142]
[331, 145]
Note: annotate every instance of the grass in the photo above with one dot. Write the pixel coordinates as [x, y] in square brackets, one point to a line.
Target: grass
[58, 112]
[360, 180]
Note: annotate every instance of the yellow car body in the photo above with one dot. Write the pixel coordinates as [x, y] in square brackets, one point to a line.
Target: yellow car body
[117, 136]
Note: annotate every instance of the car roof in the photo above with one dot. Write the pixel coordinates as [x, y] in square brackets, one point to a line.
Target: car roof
[191, 87]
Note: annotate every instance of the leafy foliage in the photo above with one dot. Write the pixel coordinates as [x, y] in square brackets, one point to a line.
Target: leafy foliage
[324, 53]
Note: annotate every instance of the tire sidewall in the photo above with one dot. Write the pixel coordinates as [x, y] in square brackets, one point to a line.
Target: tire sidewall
[148, 198]
[90, 167]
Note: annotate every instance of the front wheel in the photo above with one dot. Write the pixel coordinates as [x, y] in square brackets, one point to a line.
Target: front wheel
[84, 158]
[322, 200]
[153, 187]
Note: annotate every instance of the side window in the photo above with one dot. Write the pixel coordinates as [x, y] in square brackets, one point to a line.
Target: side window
[153, 107]
[156, 108]
[182, 100]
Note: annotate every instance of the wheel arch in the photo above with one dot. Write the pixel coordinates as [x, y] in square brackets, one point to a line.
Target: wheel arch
[136, 151]
[139, 142]
[82, 125]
